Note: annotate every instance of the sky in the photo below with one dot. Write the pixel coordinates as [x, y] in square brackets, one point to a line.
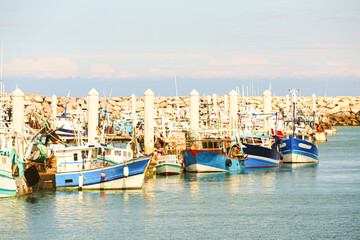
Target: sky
[124, 47]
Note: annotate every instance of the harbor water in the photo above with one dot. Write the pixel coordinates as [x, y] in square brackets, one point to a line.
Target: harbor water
[305, 201]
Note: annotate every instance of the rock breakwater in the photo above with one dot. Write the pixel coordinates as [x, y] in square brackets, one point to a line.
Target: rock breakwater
[340, 111]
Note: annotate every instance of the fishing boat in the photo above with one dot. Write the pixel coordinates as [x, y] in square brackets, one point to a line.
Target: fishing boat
[212, 155]
[299, 144]
[261, 151]
[298, 150]
[17, 176]
[168, 165]
[69, 126]
[84, 167]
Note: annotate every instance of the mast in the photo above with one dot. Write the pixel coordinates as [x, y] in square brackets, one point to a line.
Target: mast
[294, 91]
[1, 73]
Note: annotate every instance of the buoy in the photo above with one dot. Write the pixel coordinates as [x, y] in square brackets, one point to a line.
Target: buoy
[103, 175]
[126, 171]
[228, 163]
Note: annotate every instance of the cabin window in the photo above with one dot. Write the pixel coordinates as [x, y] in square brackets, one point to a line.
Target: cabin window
[204, 145]
[68, 181]
[75, 156]
[216, 145]
[85, 154]
[93, 154]
[108, 152]
[211, 145]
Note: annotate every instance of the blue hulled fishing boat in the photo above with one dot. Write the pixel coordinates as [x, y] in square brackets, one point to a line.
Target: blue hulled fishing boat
[87, 167]
[261, 157]
[299, 143]
[296, 150]
[212, 155]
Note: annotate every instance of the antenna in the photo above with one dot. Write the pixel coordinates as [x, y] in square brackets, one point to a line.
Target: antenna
[270, 86]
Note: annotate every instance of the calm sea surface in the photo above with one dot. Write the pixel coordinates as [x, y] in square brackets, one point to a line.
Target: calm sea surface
[316, 201]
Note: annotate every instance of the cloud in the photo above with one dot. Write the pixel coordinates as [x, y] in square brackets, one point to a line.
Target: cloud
[333, 45]
[105, 71]
[112, 74]
[338, 72]
[164, 54]
[54, 67]
[239, 61]
[212, 74]
[101, 68]
[125, 75]
[336, 64]
[246, 61]
[215, 62]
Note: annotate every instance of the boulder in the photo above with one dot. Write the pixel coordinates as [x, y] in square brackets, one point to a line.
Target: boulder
[38, 99]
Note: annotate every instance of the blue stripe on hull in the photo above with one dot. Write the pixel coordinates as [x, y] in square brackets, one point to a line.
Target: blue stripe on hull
[254, 162]
[261, 157]
[216, 161]
[7, 192]
[293, 145]
[69, 133]
[310, 155]
[71, 179]
[5, 176]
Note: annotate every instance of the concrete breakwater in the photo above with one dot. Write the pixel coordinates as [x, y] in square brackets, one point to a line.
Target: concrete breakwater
[343, 111]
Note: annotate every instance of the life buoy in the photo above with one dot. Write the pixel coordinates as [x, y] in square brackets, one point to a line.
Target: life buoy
[157, 156]
[228, 162]
[117, 128]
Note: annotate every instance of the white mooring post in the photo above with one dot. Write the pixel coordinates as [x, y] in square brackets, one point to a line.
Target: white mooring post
[93, 109]
[149, 121]
[18, 111]
[194, 112]
[313, 103]
[233, 108]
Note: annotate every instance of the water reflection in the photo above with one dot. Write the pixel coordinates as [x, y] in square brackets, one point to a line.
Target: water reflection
[301, 170]
[253, 180]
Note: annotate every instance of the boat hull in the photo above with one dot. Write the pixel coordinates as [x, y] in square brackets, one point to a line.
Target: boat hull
[168, 169]
[299, 151]
[114, 176]
[261, 157]
[7, 186]
[210, 161]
